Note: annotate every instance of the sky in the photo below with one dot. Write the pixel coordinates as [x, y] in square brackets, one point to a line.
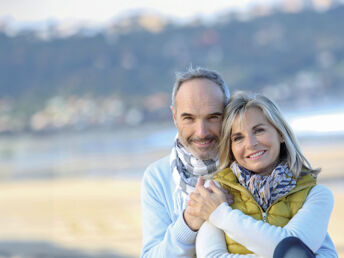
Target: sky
[103, 11]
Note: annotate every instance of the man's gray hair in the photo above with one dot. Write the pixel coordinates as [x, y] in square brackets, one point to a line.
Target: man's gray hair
[199, 73]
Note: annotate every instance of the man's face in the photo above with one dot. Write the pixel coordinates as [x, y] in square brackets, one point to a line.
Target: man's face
[198, 116]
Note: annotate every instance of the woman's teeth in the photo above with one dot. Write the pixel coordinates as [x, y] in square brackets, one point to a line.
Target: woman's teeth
[256, 154]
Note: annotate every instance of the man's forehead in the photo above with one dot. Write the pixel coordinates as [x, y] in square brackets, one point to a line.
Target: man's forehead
[202, 108]
[198, 89]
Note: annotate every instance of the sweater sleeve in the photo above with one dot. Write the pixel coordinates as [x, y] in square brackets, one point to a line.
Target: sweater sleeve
[161, 236]
[210, 242]
[327, 249]
[309, 224]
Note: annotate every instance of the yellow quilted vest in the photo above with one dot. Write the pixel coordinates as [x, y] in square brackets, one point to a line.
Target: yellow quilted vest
[278, 214]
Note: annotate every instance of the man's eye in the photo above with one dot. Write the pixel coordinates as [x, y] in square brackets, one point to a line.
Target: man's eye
[187, 118]
[214, 117]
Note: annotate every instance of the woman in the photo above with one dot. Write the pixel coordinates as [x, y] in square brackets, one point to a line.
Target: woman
[274, 189]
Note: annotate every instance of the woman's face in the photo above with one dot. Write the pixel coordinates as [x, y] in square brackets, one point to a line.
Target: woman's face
[255, 143]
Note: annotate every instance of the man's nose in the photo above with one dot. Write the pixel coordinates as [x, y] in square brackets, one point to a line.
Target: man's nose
[202, 129]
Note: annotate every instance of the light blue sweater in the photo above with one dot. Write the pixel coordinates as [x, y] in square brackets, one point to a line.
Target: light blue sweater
[165, 233]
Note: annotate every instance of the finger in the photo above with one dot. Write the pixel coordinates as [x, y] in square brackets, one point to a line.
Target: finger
[200, 187]
[215, 188]
[203, 191]
[229, 198]
[200, 182]
[224, 190]
[191, 203]
[192, 211]
[189, 210]
[194, 196]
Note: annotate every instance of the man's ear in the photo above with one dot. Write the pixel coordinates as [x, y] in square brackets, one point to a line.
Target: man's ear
[174, 115]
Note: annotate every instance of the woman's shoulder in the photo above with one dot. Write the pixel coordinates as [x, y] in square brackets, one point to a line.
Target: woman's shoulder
[320, 188]
[321, 193]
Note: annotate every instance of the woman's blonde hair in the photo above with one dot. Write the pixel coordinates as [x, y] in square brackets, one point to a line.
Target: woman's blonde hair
[290, 150]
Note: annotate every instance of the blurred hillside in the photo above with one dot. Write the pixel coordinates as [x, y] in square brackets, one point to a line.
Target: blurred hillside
[122, 75]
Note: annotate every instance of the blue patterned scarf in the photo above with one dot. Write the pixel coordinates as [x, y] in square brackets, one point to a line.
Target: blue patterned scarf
[266, 189]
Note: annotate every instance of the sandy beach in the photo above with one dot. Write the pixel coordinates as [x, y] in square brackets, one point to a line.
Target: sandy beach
[101, 217]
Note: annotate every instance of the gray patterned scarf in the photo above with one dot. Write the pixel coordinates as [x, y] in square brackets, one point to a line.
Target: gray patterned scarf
[266, 189]
[186, 169]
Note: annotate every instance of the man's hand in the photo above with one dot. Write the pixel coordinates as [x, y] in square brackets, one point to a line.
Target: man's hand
[193, 222]
[204, 201]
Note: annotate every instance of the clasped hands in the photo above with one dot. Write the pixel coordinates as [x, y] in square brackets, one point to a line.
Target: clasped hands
[203, 201]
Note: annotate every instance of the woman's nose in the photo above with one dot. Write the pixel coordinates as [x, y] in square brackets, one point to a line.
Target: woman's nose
[251, 141]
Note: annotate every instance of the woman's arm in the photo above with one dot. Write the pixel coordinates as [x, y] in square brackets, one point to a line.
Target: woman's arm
[327, 249]
[309, 224]
[210, 242]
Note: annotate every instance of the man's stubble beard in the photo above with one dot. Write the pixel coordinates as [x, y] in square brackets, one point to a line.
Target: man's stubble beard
[211, 154]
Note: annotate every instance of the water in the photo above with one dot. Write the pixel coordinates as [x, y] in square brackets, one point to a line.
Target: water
[32, 156]
[318, 122]
[124, 152]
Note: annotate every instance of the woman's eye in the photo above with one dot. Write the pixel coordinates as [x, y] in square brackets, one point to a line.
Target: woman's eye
[259, 130]
[236, 139]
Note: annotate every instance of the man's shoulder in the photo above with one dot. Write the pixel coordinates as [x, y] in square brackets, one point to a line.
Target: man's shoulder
[158, 176]
[159, 167]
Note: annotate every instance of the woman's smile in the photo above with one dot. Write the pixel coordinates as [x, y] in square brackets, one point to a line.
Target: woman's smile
[256, 155]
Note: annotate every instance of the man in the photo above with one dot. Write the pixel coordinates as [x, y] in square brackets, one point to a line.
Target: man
[198, 101]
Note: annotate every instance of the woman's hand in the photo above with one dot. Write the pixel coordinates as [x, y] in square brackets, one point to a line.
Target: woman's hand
[204, 201]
